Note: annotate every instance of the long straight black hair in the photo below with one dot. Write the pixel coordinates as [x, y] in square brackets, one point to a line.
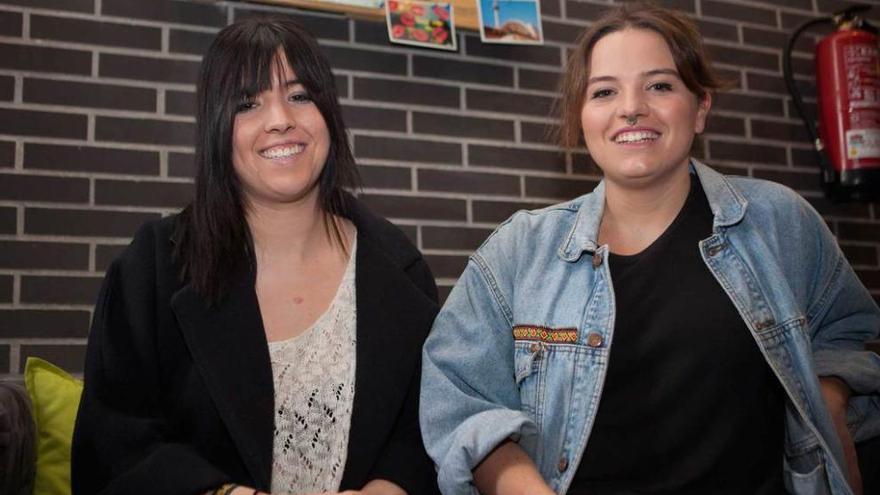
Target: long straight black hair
[212, 237]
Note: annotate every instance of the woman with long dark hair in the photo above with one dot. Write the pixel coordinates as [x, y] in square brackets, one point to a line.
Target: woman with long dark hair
[268, 336]
[674, 331]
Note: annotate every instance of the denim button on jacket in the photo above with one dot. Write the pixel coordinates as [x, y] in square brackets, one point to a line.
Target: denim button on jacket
[521, 348]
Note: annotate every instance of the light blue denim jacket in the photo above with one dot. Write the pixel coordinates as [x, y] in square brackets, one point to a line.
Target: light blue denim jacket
[769, 250]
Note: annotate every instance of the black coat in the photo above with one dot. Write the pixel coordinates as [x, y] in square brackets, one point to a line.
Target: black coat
[179, 398]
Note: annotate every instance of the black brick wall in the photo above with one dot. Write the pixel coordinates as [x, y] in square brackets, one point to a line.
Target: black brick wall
[96, 104]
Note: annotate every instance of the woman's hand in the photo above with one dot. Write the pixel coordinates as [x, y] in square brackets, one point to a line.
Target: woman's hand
[836, 394]
[245, 490]
[379, 487]
[239, 490]
[375, 487]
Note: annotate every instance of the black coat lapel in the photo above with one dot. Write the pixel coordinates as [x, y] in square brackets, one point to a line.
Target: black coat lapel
[229, 348]
[393, 319]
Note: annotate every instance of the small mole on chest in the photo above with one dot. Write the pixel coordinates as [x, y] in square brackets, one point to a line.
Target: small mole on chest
[297, 300]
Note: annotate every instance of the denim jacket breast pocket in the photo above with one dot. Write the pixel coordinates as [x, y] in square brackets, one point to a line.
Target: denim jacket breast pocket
[527, 362]
[530, 345]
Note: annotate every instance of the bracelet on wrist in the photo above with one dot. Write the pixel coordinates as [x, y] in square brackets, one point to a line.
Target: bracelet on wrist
[225, 489]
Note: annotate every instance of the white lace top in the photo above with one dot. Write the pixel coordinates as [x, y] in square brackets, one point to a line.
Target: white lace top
[314, 389]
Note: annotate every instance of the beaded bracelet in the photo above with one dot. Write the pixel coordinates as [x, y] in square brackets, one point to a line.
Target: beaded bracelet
[225, 489]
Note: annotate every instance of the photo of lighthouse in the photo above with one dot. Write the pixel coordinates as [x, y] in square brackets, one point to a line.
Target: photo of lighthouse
[511, 21]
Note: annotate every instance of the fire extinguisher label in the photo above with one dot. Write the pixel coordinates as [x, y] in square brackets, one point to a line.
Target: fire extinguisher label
[862, 75]
[863, 143]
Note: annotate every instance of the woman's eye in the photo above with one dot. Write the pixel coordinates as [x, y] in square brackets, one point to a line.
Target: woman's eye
[661, 86]
[300, 97]
[245, 105]
[601, 93]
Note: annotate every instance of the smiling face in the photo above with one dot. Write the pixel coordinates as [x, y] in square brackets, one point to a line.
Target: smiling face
[280, 142]
[638, 118]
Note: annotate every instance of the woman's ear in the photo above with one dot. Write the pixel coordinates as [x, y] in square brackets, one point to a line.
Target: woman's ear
[703, 106]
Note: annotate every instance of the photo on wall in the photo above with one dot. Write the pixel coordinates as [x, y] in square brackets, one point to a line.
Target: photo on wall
[426, 24]
[510, 21]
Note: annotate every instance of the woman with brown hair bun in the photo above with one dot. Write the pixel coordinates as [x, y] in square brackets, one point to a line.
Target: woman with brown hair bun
[268, 337]
[675, 331]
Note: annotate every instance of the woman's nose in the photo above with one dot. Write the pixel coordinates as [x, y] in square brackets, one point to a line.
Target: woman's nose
[632, 103]
[279, 118]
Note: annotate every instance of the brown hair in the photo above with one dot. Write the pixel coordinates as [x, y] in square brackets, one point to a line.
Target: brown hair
[681, 35]
[18, 439]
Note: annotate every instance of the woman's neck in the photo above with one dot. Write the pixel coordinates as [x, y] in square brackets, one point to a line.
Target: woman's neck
[635, 217]
[289, 231]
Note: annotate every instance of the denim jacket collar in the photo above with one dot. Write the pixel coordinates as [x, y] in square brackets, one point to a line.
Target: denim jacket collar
[728, 208]
[584, 234]
[728, 205]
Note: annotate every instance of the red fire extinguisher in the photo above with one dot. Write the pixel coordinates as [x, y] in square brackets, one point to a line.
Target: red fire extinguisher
[848, 83]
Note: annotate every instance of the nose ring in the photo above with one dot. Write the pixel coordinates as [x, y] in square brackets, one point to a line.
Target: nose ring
[632, 119]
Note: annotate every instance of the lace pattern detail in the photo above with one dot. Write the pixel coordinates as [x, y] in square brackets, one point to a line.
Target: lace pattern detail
[314, 390]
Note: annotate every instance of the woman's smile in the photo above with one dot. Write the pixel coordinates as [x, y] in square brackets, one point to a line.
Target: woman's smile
[283, 151]
[636, 136]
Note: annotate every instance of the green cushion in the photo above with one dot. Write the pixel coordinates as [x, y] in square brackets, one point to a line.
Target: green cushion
[55, 399]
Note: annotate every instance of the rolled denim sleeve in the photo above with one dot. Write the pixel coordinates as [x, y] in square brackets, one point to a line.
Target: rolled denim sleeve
[842, 318]
[839, 337]
[469, 399]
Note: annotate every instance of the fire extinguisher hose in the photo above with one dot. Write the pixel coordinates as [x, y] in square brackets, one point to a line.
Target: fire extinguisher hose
[797, 99]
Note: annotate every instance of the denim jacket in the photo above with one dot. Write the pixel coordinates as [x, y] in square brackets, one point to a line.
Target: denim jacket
[520, 350]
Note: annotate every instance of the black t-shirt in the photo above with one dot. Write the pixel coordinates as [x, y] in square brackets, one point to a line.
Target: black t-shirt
[689, 405]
